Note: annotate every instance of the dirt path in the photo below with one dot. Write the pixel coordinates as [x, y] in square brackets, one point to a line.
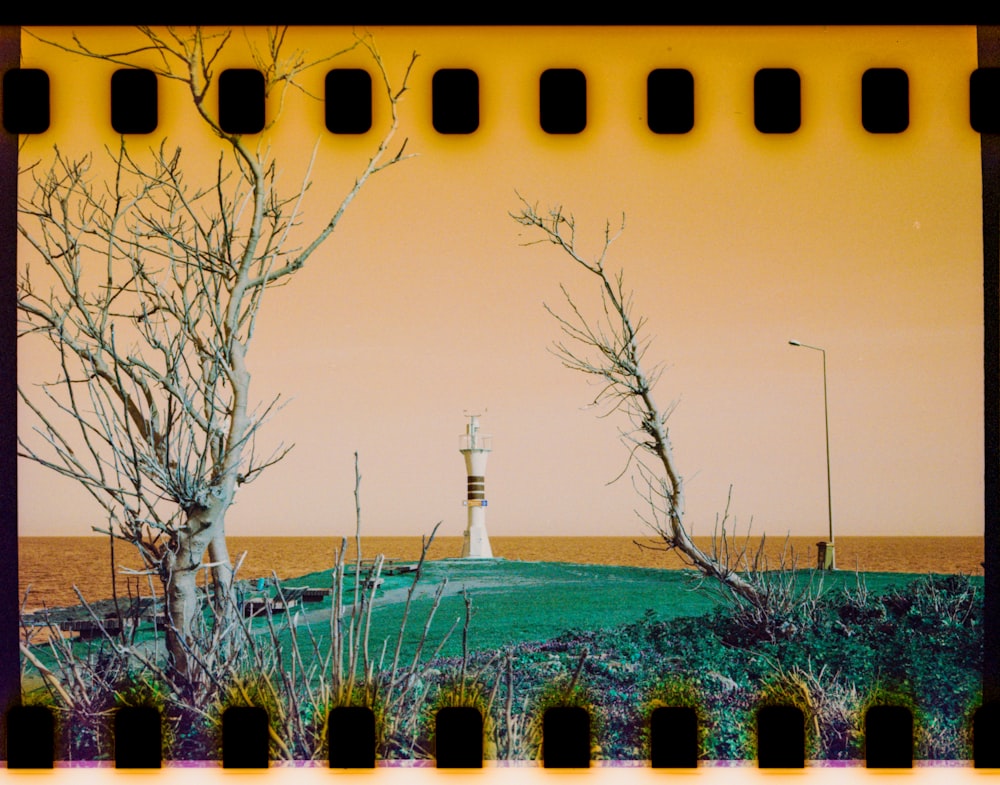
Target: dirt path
[425, 589]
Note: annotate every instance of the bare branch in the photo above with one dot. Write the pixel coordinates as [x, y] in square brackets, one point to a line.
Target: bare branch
[154, 275]
[613, 349]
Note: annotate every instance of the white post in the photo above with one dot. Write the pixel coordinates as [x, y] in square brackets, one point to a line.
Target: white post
[476, 449]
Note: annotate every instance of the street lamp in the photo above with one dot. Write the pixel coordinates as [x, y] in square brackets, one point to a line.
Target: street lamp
[826, 417]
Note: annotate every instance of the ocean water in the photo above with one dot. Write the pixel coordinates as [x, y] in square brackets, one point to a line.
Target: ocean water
[51, 566]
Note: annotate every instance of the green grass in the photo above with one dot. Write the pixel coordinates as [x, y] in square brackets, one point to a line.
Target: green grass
[515, 601]
[644, 629]
[534, 601]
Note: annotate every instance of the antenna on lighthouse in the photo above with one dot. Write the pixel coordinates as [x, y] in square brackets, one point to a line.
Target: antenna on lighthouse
[476, 448]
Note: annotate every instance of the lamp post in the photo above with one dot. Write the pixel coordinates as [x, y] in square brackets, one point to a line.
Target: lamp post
[826, 419]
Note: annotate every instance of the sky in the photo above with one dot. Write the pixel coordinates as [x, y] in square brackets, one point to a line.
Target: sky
[426, 303]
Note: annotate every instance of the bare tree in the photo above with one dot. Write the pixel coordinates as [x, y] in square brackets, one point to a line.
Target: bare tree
[153, 278]
[613, 348]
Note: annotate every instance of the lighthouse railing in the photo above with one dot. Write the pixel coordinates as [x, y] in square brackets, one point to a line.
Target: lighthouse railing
[482, 442]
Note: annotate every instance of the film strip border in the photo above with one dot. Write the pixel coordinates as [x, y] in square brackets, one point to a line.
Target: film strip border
[458, 737]
[889, 729]
[562, 100]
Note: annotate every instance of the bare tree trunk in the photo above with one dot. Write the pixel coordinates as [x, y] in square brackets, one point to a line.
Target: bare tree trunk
[180, 586]
[205, 533]
[222, 575]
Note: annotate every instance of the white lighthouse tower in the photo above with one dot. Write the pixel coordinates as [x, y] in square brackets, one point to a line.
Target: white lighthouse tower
[476, 449]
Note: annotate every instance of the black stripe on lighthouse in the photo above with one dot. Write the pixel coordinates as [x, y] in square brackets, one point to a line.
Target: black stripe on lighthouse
[476, 487]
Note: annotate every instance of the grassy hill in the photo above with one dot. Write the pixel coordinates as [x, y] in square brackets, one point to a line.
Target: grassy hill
[624, 636]
[514, 601]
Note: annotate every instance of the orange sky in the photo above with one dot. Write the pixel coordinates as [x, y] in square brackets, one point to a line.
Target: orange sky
[424, 303]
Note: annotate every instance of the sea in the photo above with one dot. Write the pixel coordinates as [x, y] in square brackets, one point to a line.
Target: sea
[53, 569]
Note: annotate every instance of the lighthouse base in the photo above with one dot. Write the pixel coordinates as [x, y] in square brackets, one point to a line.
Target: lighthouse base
[476, 544]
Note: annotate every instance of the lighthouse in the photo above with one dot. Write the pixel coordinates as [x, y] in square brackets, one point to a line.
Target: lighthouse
[476, 449]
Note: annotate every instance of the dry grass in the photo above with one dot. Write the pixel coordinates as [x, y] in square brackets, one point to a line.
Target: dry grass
[237, 663]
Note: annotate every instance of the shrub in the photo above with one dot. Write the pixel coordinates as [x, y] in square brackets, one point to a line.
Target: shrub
[563, 691]
[462, 693]
[828, 703]
[676, 691]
